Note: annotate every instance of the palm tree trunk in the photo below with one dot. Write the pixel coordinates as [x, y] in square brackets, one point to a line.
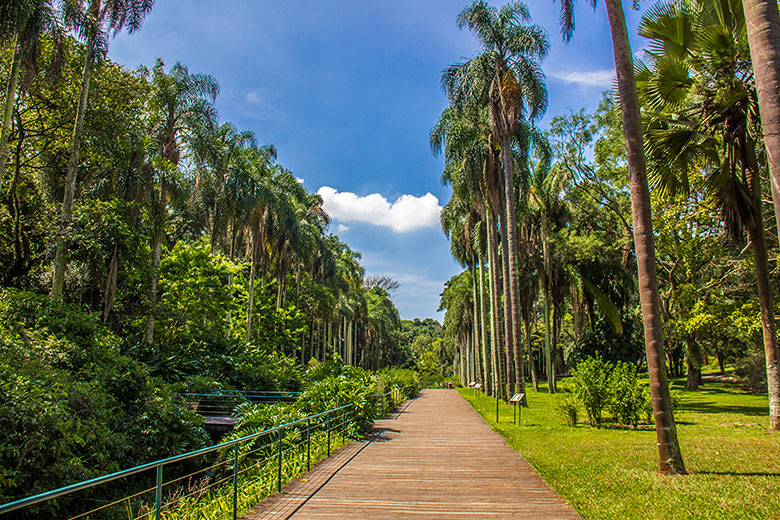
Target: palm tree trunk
[761, 268]
[763, 28]
[547, 334]
[10, 100]
[155, 278]
[484, 329]
[475, 322]
[511, 236]
[531, 361]
[508, 336]
[669, 454]
[159, 236]
[70, 178]
[250, 303]
[110, 289]
[494, 304]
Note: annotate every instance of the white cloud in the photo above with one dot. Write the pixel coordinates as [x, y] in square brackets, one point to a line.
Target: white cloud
[341, 228]
[593, 78]
[406, 213]
[299, 180]
[253, 97]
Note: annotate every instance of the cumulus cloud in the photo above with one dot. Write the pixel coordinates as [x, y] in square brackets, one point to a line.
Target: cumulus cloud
[406, 213]
[593, 78]
[341, 228]
[299, 180]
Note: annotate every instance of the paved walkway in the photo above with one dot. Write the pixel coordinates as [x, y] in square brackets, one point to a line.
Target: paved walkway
[434, 458]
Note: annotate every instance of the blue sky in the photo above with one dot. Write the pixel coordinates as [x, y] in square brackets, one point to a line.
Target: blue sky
[348, 90]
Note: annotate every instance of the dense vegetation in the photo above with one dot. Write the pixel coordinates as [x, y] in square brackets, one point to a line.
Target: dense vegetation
[147, 248]
[569, 256]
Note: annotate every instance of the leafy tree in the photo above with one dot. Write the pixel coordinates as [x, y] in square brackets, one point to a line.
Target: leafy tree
[701, 115]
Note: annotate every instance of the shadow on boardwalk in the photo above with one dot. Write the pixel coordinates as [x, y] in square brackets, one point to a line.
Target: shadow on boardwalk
[433, 458]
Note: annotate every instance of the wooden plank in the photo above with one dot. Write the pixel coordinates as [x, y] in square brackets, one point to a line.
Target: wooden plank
[435, 458]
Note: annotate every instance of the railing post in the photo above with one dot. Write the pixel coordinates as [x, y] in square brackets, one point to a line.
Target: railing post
[343, 441]
[328, 434]
[308, 444]
[235, 481]
[279, 441]
[158, 493]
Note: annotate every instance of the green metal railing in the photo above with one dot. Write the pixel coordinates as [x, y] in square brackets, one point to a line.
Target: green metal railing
[224, 402]
[217, 481]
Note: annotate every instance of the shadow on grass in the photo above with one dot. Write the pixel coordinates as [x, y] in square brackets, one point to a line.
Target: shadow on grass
[710, 407]
[737, 473]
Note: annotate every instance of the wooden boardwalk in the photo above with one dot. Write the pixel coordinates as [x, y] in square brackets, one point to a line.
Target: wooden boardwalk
[434, 458]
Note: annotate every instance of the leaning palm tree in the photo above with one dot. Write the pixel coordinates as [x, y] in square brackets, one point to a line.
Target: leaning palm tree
[763, 32]
[508, 79]
[24, 22]
[700, 113]
[92, 24]
[669, 454]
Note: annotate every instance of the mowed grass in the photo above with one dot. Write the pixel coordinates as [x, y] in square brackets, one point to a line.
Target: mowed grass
[733, 461]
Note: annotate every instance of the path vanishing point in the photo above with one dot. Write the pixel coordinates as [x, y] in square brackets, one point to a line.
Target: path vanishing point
[435, 457]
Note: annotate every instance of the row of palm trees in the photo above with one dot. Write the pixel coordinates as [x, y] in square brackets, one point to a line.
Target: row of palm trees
[183, 165]
[696, 102]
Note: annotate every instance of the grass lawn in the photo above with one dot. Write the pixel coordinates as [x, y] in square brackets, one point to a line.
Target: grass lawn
[734, 463]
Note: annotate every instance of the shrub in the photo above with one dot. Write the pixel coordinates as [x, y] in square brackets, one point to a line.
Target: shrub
[627, 399]
[752, 373]
[569, 408]
[591, 386]
[407, 380]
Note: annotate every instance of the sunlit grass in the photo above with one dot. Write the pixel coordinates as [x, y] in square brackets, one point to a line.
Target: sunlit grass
[734, 463]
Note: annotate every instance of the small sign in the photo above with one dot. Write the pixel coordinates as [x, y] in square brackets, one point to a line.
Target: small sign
[517, 398]
[477, 386]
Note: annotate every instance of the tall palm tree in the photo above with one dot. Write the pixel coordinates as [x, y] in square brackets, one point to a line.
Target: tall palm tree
[182, 112]
[508, 78]
[218, 153]
[669, 453]
[701, 104]
[464, 136]
[93, 24]
[25, 23]
[763, 32]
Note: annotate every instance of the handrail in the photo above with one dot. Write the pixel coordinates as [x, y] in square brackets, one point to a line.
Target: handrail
[48, 495]
[158, 464]
[231, 393]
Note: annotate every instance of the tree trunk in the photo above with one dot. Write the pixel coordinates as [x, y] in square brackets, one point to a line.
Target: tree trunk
[110, 289]
[693, 379]
[547, 340]
[763, 28]
[251, 302]
[508, 341]
[768, 327]
[484, 329]
[494, 304]
[475, 323]
[70, 179]
[669, 454]
[10, 101]
[531, 360]
[159, 235]
[514, 283]
[761, 269]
